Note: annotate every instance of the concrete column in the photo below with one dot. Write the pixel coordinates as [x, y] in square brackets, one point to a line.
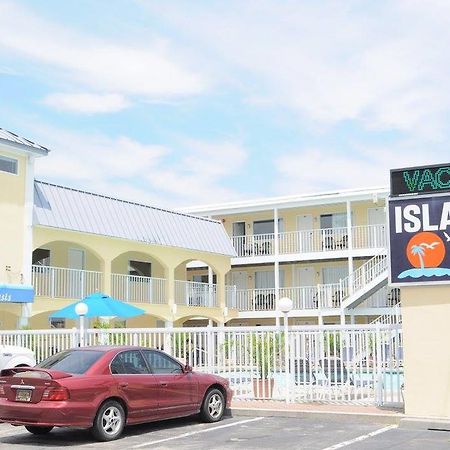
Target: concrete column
[210, 286]
[426, 334]
[221, 298]
[107, 277]
[169, 275]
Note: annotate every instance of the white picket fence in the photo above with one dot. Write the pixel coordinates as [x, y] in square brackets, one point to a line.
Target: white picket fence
[332, 364]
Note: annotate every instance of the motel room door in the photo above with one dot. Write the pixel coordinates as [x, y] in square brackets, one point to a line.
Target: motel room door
[304, 277]
[240, 280]
[377, 234]
[305, 226]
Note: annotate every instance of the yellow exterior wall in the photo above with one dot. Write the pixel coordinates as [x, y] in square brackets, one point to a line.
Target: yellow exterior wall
[289, 216]
[426, 334]
[59, 255]
[120, 264]
[288, 271]
[111, 255]
[12, 213]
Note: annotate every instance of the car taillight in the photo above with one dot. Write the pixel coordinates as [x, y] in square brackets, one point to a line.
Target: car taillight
[55, 394]
[2, 391]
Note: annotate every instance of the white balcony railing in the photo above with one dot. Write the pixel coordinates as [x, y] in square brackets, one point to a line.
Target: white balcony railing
[254, 244]
[231, 296]
[310, 241]
[131, 288]
[304, 297]
[386, 297]
[194, 293]
[58, 282]
[366, 274]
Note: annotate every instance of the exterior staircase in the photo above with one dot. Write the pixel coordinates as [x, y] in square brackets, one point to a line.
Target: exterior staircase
[364, 281]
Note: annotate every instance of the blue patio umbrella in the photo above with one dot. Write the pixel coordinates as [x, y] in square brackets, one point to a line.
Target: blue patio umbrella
[99, 305]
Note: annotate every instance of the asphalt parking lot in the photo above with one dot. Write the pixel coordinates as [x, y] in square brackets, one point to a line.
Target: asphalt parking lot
[240, 432]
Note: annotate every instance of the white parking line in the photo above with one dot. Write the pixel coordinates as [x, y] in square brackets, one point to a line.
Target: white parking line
[180, 436]
[361, 438]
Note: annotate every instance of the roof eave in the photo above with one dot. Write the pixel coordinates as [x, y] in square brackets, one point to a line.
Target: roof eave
[288, 202]
[24, 148]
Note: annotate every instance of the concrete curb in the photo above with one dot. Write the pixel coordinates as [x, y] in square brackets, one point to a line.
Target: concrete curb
[425, 423]
[392, 419]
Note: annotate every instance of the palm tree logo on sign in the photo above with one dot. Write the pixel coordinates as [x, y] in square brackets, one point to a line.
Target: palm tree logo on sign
[425, 252]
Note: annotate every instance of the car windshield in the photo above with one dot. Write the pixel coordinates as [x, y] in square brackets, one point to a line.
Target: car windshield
[72, 361]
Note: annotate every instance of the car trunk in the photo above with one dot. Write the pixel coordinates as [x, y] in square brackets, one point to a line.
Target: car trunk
[25, 385]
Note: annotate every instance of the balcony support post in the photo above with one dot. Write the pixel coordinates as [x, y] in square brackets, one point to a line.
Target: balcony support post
[107, 277]
[169, 275]
[350, 246]
[277, 254]
[221, 297]
[210, 287]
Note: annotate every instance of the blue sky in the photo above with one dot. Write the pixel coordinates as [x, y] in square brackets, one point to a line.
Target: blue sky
[186, 103]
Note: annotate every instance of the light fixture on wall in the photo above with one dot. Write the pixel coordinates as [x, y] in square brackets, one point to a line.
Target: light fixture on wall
[375, 197]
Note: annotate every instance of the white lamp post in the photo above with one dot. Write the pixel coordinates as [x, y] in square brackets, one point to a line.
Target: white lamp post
[81, 310]
[285, 305]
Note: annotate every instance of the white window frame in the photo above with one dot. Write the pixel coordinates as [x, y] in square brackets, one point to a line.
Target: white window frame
[8, 159]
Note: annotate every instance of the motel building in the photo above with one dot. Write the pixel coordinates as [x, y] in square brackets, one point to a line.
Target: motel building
[59, 245]
[221, 264]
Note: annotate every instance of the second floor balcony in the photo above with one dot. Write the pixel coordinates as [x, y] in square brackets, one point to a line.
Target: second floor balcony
[311, 241]
[63, 283]
[313, 298]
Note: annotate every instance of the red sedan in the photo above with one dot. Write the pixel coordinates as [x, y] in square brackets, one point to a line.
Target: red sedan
[106, 388]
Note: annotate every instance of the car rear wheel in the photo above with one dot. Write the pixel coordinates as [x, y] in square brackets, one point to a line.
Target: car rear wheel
[213, 406]
[109, 421]
[38, 430]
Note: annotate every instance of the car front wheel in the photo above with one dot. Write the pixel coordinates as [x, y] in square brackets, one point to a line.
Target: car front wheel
[213, 406]
[109, 421]
[38, 430]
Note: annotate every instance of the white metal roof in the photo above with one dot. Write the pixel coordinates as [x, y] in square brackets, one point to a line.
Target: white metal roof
[290, 201]
[71, 209]
[13, 140]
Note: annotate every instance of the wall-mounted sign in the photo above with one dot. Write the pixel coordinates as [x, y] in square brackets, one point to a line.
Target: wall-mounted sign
[419, 237]
[420, 180]
[16, 293]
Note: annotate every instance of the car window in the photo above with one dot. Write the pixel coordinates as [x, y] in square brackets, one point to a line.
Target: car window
[72, 361]
[161, 363]
[129, 362]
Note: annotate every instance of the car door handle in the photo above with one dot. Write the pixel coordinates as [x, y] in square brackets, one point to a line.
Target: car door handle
[163, 384]
[123, 385]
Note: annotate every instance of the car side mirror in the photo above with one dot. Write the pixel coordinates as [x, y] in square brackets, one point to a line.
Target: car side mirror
[187, 368]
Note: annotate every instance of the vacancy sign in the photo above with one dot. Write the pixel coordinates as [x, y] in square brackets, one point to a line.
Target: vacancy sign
[419, 235]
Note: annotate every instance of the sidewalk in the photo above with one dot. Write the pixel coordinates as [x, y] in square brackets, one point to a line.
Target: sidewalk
[334, 411]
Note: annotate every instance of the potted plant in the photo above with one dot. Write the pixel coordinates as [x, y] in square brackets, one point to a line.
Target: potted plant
[265, 348]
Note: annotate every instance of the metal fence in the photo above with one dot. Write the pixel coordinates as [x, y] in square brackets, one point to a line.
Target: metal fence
[332, 364]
